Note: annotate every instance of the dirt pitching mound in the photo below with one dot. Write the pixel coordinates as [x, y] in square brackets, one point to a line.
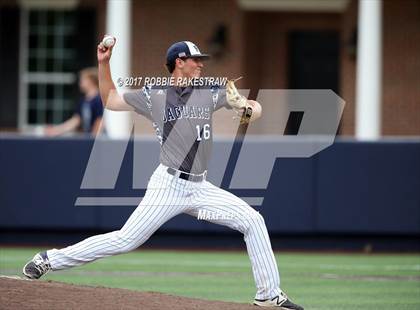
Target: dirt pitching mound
[33, 294]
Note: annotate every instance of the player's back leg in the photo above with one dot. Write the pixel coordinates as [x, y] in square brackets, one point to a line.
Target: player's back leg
[222, 207]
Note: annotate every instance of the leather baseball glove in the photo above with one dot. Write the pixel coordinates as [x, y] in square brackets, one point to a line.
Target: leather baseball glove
[233, 97]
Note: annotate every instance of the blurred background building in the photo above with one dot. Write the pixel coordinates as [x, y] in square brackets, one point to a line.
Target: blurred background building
[302, 44]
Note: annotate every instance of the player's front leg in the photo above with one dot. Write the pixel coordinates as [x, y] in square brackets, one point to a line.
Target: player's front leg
[152, 213]
[144, 221]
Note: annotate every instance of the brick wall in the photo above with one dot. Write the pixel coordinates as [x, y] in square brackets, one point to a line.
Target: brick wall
[401, 68]
[257, 48]
[266, 58]
[348, 68]
[400, 72]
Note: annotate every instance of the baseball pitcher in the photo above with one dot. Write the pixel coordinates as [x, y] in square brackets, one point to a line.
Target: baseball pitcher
[181, 115]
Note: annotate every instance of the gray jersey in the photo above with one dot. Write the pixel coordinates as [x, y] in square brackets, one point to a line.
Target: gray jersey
[182, 118]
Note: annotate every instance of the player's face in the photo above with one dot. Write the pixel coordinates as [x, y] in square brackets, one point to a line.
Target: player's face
[192, 67]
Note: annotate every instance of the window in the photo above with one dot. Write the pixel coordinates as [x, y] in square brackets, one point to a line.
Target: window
[314, 60]
[48, 66]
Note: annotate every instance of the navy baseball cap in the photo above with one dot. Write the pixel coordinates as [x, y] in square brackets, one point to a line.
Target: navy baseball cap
[183, 49]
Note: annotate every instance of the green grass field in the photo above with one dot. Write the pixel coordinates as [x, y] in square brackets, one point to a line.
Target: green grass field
[317, 281]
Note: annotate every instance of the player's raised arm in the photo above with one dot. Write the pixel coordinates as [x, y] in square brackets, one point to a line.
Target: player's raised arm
[109, 95]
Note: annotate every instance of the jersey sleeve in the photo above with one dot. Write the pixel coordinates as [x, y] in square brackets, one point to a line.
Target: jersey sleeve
[139, 99]
[221, 98]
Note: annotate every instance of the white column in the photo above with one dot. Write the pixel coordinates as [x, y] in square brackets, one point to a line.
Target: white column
[369, 70]
[118, 24]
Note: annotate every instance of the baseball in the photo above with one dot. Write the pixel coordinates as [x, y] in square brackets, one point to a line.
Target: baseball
[108, 41]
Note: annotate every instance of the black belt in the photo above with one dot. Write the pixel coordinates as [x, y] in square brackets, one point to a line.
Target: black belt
[186, 176]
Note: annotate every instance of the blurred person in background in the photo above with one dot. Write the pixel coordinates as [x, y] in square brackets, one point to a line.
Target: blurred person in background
[89, 112]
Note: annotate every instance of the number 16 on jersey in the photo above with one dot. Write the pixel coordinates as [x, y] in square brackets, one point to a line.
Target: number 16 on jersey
[203, 133]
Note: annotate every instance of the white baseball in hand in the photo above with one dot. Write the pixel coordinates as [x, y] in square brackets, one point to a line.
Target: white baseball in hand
[108, 41]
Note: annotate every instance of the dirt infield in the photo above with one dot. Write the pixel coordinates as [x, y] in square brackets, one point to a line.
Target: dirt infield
[32, 294]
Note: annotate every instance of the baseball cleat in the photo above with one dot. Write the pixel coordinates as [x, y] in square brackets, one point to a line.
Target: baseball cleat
[37, 267]
[281, 301]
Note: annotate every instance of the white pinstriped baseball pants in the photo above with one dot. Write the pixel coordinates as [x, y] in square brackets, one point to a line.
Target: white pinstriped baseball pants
[166, 197]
